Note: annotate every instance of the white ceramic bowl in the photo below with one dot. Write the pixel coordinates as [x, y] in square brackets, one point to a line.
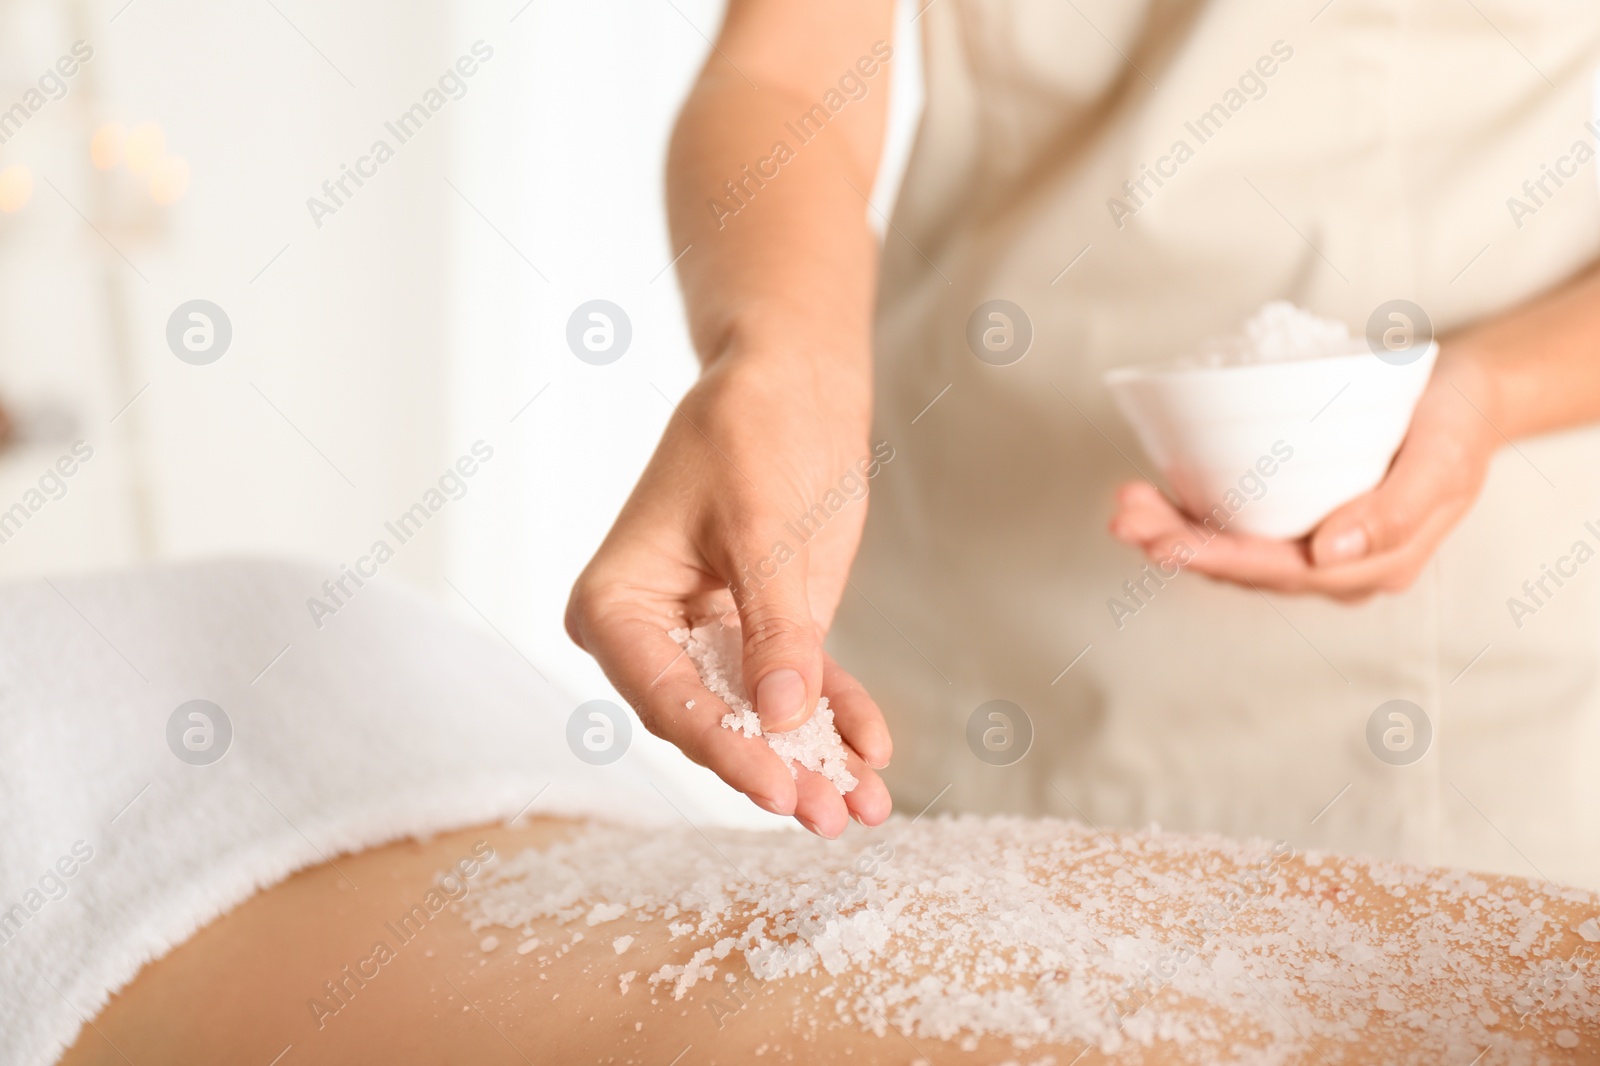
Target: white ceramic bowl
[1272, 448]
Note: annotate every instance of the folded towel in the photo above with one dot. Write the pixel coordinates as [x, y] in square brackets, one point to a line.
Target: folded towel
[124, 833]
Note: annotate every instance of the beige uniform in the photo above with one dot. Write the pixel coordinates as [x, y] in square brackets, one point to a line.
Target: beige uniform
[1370, 151]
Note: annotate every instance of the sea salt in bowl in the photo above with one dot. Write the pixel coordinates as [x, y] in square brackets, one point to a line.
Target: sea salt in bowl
[1258, 441]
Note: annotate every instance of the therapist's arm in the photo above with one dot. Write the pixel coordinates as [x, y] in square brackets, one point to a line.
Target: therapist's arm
[1532, 370]
[778, 281]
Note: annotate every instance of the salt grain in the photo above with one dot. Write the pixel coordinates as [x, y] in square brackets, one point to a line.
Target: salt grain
[1278, 332]
[717, 653]
[1040, 931]
[621, 944]
[605, 912]
[488, 943]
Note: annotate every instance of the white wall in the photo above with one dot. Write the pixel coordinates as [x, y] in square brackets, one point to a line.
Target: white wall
[344, 333]
[581, 189]
[589, 172]
[412, 323]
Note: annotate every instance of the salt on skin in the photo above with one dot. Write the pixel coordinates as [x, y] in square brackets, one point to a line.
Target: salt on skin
[1044, 931]
[718, 654]
[604, 912]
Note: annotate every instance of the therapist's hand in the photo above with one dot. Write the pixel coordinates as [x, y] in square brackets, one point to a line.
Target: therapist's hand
[761, 439]
[1378, 542]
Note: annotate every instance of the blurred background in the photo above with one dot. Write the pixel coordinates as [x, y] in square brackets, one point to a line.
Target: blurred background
[373, 344]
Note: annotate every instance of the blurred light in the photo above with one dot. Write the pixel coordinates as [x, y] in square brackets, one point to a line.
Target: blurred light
[146, 143]
[169, 179]
[105, 147]
[16, 187]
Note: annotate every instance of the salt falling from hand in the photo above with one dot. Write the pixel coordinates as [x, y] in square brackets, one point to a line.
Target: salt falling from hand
[717, 652]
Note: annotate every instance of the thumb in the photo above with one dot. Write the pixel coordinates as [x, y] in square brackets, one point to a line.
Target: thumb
[782, 644]
[1380, 521]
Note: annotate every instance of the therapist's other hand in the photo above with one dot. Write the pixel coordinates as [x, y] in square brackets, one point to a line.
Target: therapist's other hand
[1378, 542]
[758, 442]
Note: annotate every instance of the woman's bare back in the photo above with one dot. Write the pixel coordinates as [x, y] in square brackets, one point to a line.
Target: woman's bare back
[960, 941]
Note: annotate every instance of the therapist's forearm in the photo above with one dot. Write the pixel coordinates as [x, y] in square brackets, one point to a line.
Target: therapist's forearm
[777, 274]
[1536, 368]
[785, 269]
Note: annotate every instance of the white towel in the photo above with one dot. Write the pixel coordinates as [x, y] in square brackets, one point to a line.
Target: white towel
[391, 719]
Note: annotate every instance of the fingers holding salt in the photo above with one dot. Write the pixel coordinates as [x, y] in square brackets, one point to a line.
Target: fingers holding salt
[717, 653]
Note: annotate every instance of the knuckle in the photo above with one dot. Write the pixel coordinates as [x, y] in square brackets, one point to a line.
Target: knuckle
[579, 608]
[1392, 526]
[586, 606]
[753, 548]
[770, 631]
[778, 638]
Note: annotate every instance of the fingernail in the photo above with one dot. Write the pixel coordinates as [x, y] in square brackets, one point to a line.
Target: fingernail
[780, 699]
[1351, 544]
[810, 828]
